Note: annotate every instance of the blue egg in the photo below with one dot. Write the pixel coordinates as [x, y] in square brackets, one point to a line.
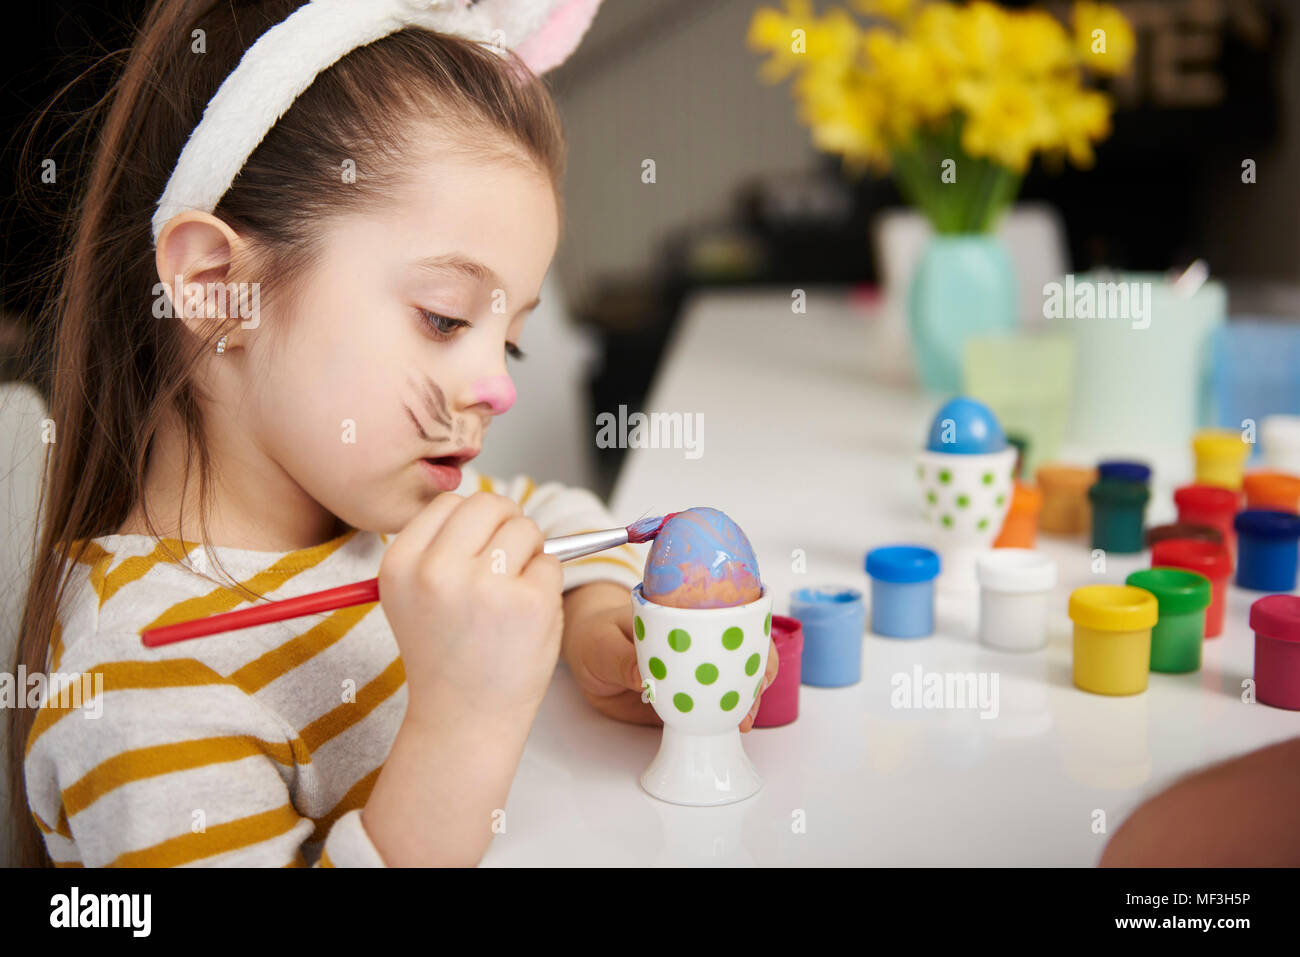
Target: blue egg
[966, 427]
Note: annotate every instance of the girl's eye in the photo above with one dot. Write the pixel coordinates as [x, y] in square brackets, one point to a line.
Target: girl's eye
[443, 326]
[440, 325]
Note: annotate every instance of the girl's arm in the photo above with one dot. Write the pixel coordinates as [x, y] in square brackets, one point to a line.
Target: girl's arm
[162, 762]
[1239, 813]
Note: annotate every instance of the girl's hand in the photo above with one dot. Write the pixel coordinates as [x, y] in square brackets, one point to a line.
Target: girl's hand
[474, 604]
[598, 646]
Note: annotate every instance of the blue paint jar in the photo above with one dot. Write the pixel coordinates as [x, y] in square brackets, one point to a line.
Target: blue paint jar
[1267, 551]
[833, 620]
[902, 590]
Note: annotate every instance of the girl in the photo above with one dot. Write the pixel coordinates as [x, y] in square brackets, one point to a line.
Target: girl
[279, 392]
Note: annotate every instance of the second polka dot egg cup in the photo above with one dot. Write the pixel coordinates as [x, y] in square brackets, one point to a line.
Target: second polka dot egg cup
[703, 668]
[964, 498]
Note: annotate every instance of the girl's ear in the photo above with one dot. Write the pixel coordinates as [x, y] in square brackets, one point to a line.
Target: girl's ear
[561, 29]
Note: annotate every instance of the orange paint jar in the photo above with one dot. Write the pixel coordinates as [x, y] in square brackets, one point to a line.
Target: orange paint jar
[1020, 527]
[1275, 491]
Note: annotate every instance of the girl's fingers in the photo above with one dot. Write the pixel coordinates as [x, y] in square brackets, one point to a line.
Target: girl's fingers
[514, 544]
[470, 528]
[626, 706]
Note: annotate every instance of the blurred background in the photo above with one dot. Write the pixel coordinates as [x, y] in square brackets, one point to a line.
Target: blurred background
[748, 192]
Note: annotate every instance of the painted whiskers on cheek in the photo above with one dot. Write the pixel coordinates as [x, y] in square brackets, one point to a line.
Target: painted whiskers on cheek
[434, 402]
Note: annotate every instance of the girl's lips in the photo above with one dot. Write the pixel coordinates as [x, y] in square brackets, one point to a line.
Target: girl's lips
[444, 473]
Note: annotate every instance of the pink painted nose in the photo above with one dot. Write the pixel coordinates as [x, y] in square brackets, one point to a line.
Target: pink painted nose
[497, 391]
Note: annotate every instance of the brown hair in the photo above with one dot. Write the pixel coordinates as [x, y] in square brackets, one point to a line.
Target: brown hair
[116, 372]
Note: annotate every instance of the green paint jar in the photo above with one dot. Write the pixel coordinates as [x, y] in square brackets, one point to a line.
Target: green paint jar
[1118, 513]
[1179, 633]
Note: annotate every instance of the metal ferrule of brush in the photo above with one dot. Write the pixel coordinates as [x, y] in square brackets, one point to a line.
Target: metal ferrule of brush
[584, 543]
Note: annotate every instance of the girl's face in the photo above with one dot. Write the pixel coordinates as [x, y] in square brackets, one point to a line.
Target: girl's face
[396, 349]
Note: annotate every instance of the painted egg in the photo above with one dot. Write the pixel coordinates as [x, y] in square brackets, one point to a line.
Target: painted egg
[966, 427]
[701, 559]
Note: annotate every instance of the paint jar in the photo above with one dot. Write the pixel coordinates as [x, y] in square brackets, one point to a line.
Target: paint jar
[1020, 527]
[1210, 559]
[1274, 491]
[833, 621]
[1124, 471]
[902, 590]
[1112, 637]
[1220, 457]
[1118, 511]
[1065, 509]
[1182, 530]
[1275, 620]
[1268, 550]
[1209, 505]
[1015, 585]
[1181, 599]
[780, 702]
[1280, 436]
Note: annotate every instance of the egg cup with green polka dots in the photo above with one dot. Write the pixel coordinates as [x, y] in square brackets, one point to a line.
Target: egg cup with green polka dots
[703, 668]
[964, 499]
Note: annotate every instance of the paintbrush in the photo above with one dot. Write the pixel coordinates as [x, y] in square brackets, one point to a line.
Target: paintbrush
[565, 547]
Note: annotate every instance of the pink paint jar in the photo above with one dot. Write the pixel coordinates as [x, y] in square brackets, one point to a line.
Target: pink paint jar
[1275, 619]
[780, 702]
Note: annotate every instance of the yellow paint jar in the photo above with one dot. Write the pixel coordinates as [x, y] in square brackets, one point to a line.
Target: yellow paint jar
[1112, 637]
[1220, 457]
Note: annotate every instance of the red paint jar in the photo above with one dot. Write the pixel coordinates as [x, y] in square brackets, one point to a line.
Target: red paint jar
[780, 702]
[1211, 559]
[1210, 505]
[1275, 619]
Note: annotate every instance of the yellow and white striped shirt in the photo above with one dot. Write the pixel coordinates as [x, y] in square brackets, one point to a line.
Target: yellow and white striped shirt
[256, 747]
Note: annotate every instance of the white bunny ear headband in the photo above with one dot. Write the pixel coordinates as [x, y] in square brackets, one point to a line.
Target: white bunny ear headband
[285, 59]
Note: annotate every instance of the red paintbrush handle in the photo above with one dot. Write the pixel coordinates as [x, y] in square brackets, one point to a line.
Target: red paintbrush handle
[358, 593]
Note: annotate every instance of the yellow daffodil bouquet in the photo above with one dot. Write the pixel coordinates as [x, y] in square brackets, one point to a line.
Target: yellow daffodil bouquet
[956, 99]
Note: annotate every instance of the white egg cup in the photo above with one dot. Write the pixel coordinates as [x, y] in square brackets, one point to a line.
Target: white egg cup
[964, 499]
[703, 668]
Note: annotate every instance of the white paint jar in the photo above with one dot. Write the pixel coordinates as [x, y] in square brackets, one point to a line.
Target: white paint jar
[1015, 588]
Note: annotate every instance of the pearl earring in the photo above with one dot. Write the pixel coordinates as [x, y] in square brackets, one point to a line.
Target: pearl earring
[221, 344]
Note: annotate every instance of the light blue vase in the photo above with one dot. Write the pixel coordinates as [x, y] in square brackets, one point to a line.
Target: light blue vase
[964, 286]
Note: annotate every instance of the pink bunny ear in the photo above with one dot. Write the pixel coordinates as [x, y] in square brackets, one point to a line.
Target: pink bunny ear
[551, 44]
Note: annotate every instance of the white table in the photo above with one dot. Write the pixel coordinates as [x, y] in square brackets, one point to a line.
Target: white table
[809, 433]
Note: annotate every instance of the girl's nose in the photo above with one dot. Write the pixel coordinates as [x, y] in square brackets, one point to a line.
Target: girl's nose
[498, 391]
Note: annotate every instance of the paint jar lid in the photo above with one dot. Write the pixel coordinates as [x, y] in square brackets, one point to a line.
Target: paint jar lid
[1272, 485]
[787, 634]
[1265, 523]
[1113, 607]
[1119, 492]
[1177, 590]
[902, 564]
[1276, 616]
[1221, 443]
[1124, 471]
[1212, 498]
[1015, 570]
[1281, 429]
[1211, 559]
[1182, 531]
